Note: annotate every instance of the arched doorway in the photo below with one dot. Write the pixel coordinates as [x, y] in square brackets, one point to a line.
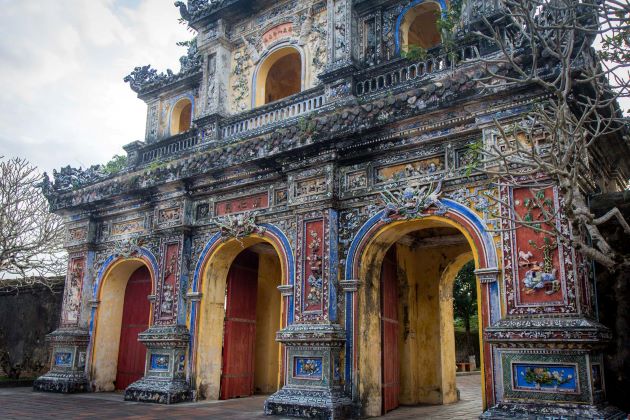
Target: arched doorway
[181, 116]
[417, 26]
[239, 313]
[417, 332]
[135, 319]
[365, 256]
[124, 311]
[279, 75]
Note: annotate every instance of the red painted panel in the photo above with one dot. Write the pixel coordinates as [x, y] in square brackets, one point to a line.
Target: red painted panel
[253, 202]
[239, 340]
[389, 331]
[135, 319]
[538, 282]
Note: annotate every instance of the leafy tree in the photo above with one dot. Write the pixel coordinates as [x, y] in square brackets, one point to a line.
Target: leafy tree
[465, 300]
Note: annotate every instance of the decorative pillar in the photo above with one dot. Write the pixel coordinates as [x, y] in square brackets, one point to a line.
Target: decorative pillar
[216, 50]
[342, 50]
[70, 341]
[167, 338]
[549, 345]
[313, 383]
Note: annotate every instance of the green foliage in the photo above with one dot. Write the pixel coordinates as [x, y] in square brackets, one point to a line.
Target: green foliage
[155, 165]
[414, 53]
[465, 295]
[306, 125]
[186, 44]
[447, 24]
[475, 152]
[115, 165]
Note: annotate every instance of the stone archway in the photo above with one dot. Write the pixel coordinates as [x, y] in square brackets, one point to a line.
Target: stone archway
[416, 25]
[279, 75]
[210, 314]
[364, 262]
[110, 291]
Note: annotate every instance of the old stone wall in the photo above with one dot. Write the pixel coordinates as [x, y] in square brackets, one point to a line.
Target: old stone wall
[26, 316]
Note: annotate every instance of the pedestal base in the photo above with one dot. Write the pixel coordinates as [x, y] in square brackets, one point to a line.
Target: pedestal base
[513, 411]
[312, 404]
[159, 391]
[63, 382]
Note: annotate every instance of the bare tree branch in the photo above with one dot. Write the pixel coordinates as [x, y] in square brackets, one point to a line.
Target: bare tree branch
[31, 238]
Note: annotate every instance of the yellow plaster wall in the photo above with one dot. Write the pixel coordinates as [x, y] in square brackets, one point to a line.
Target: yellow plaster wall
[209, 349]
[267, 362]
[314, 50]
[426, 340]
[447, 327]
[108, 324]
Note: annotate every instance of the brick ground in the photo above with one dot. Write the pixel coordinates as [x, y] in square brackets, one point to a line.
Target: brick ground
[23, 403]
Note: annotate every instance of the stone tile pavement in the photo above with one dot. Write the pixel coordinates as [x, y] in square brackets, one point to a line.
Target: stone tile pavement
[23, 403]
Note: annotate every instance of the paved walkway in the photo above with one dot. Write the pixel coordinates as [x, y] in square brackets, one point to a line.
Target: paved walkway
[23, 403]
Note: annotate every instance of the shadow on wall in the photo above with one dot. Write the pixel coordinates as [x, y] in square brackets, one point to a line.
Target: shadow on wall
[613, 301]
[26, 316]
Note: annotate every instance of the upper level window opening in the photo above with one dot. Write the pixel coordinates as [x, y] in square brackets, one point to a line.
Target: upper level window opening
[279, 76]
[419, 27]
[181, 117]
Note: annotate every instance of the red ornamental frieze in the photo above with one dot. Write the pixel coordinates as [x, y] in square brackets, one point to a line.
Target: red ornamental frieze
[167, 294]
[238, 205]
[539, 271]
[73, 290]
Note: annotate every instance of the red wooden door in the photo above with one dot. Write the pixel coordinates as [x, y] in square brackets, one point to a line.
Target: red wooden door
[389, 331]
[239, 340]
[135, 319]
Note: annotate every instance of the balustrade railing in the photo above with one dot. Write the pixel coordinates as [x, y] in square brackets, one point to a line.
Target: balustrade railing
[170, 146]
[266, 115]
[407, 72]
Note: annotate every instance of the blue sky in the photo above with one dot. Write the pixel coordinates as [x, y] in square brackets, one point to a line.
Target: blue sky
[62, 62]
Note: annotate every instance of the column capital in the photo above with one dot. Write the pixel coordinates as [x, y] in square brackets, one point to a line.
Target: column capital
[350, 285]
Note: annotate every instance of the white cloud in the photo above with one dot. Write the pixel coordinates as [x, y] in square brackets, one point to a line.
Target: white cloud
[62, 63]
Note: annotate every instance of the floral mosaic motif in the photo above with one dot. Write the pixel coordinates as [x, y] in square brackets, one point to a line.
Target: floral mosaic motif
[128, 247]
[72, 294]
[160, 362]
[410, 170]
[411, 202]
[63, 359]
[309, 368]
[537, 260]
[169, 215]
[555, 378]
[239, 226]
[315, 281]
[128, 227]
[355, 180]
[77, 234]
[540, 275]
[310, 187]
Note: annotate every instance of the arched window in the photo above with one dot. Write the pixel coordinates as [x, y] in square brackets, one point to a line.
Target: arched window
[419, 26]
[279, 76]
[181, 117]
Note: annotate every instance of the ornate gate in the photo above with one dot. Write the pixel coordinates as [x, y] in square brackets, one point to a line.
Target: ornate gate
[135, 319]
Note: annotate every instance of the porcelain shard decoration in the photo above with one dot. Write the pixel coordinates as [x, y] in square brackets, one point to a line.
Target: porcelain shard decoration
[411, 202]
